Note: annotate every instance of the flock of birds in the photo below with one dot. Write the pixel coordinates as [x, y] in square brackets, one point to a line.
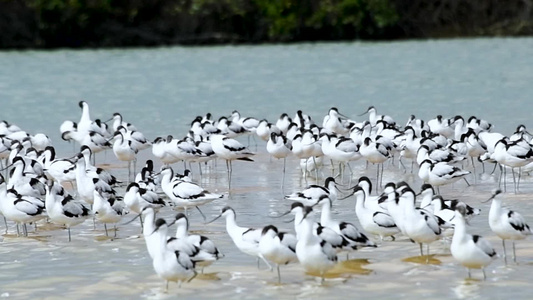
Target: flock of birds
[33, 187]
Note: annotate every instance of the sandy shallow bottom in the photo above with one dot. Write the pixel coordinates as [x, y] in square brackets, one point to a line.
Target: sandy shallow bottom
[45, 265]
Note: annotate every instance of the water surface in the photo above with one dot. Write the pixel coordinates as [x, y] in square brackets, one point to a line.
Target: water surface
[161, 90]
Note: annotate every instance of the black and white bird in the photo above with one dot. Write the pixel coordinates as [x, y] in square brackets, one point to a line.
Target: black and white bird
[246, 239]
[63, 209]
[203, 243]
[314, 254]
[229, 150]
[311, 194]
[507, 224]
[108, 210]
[168, 263]
[184, 193]
[472, 251]
[137, 198]
[377, 222]
[278, 247]
[354, 237]
[18, 208]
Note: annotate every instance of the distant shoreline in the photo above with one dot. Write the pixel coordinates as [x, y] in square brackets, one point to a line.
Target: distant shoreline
[51, 24]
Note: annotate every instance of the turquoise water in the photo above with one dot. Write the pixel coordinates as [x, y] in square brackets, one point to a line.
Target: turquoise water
[161, 91]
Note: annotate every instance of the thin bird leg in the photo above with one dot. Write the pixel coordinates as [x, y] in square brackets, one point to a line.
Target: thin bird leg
[381, 178]
[68, 228]
[229, 166]
[279, 275]
[316, 168]
[115, 227]
[192, 277]
[427, 255]
[266, 262]
[504, 179]
[495, 164]
[134, 168]
[421, 251]
[514, 253]
[402, 165]
[203, 216]
[283, 174]
[377, 175]
[518, 182]
[504, 253]
[474, 166]
[5, 222]
[129, 171]
[105, 227]
[515, 185]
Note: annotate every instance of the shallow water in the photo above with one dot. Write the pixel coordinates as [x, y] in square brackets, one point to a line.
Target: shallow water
[162, 90]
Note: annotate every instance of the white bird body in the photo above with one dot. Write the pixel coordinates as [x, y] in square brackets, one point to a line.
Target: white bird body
[245, 239]
[337, 241]
[228, 148]
[507, 224]
[278, 146]
[512, 154]
[137, 198]
[63, 209]
[442, 126]
[472, 251]
[61, 170]
[283, 123]
[205, 247]
[373, 221]
[18, 208]
[118, 121]
[184, 193]
[374, 152]
[332, 122]
[311, 194]
[40, 141]
[264, 129]
[440, 173]
[420, 225]
[169, 264]
[107, 210]
[84, 183]
[314, 254]
[160, 149]
[150, 238]
[278, 247]
[339, 149]
[123, 148]
[353, 236]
